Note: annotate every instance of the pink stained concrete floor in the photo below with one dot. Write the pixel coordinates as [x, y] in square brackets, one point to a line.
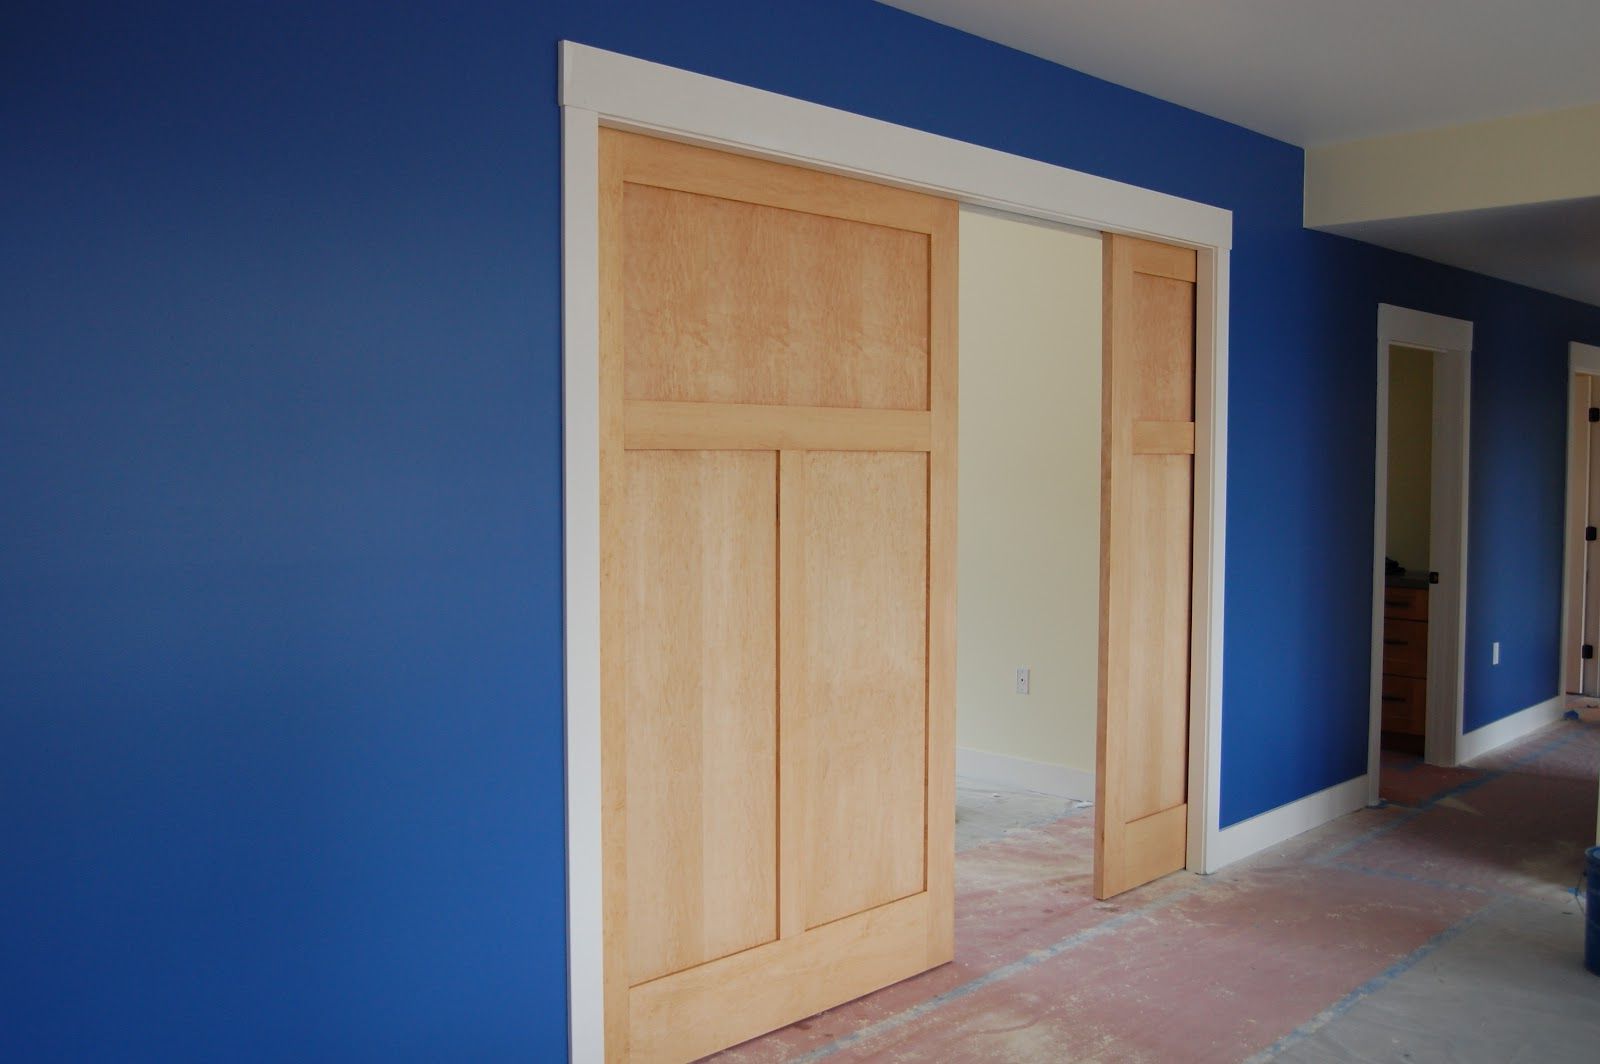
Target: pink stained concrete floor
[1405, 779]
[1225, 967]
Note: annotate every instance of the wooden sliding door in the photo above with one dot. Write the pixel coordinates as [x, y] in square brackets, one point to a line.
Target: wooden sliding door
[1147, 520]
[778, 419]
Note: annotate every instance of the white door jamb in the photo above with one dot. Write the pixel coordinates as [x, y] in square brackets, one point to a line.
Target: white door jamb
[1581, 358]
[1451, 341]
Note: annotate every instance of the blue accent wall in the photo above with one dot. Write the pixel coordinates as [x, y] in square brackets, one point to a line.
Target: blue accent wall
[280, 560]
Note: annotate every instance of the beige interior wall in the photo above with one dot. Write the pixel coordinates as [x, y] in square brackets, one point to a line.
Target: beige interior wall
[1410, 455]
[1537, 158]
[1029, 513]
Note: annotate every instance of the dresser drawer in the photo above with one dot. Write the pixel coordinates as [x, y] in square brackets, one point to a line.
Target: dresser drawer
[1405, 647]
[1405, 704]
[1406, 603]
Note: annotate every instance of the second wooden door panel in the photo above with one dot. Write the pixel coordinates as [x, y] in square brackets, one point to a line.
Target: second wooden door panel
[1147, 517]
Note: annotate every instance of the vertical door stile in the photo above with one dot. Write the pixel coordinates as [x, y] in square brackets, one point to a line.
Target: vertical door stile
[1113, 575]
[792, 737]
[944, 269]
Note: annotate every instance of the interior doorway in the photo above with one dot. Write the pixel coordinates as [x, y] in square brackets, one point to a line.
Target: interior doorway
[1420, 546]
[1076, 540]
[1409, 551]
[1580, 616]
[778, 404]
[605, 90]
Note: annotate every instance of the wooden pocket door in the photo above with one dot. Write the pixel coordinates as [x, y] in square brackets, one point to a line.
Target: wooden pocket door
[777, 592]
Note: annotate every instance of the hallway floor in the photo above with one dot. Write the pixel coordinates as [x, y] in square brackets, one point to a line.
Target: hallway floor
[1441, 927]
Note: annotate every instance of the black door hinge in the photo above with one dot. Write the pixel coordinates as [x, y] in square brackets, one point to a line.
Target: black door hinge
[1588, 651]
[1594, 413]
[1590, 533]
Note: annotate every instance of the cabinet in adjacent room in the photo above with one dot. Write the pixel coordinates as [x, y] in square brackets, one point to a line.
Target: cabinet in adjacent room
[1405, 665]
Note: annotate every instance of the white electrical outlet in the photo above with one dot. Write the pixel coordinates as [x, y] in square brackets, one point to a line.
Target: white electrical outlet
[1496, 660]
[1022, 680]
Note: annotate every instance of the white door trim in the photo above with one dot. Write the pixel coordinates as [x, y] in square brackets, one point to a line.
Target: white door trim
[1584, 358]
[605, 88]
[1581, 358]
[1452, 404]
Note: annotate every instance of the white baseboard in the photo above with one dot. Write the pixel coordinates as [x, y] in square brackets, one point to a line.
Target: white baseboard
[1238, 841]
[1476, 743]
[1022, 774]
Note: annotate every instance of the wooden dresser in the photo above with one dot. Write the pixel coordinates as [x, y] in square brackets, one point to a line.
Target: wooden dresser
[1405, 660]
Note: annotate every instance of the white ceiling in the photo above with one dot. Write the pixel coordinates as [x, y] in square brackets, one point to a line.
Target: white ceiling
[1550, 246]
[1313, 71]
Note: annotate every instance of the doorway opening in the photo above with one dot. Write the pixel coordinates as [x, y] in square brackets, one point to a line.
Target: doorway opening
[1420, 551]
[605, 90]
[1077, 443]
[1028, 526]
[1580, 615]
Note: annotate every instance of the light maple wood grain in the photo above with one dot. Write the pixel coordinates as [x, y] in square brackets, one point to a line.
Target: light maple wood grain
[1163, 437]
[656, 163]
[1151, 840]
[941, 540]
[1156, 613]
[1146, 563]
[794, 716]
[700, 1010]
[721, 426]
[702, 729]
[778, 548]
[865, 626]
[740, 303]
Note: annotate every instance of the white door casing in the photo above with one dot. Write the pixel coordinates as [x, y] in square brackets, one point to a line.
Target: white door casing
[605, 88]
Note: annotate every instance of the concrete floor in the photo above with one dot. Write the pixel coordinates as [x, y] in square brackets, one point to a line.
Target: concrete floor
[1441, 927]
[987, 813]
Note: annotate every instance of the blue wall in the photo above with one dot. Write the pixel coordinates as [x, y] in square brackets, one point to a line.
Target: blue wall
[280, 630]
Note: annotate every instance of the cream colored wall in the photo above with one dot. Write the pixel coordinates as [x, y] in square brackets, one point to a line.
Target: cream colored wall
[1410, 455]
[1029, 513]
[1534, 158]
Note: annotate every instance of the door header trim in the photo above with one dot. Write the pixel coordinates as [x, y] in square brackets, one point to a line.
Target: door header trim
[634, 94]
[1417, 328]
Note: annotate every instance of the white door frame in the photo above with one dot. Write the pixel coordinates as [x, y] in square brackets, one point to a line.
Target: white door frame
[1581, 358]
[605, 88]
[1450, 338]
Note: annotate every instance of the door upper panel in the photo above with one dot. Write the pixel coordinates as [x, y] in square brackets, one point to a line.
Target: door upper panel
[784, 290]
